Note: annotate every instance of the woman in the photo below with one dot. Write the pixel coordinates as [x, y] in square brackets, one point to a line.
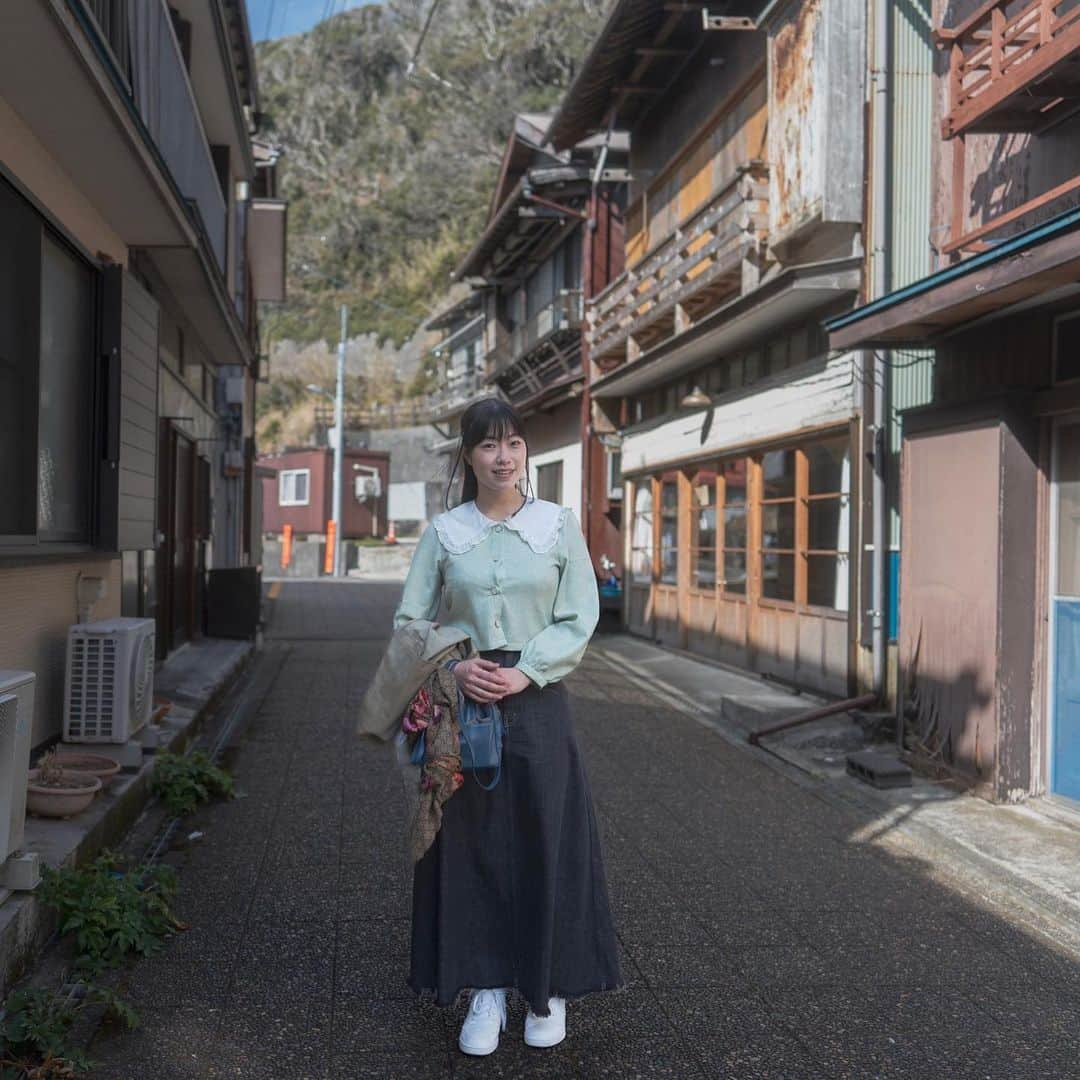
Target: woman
[512, 893]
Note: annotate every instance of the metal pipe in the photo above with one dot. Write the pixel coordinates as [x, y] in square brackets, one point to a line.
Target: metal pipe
[815, 714]
[339, 438]
[880, 182]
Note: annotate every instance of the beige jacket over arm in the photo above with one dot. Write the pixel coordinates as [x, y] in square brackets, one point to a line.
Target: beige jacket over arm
[414, 652]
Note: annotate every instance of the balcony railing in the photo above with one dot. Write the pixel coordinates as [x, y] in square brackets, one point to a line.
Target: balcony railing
[456, 392]
[143, 42]
[693, 269]
[1012, 66]
[559, 318]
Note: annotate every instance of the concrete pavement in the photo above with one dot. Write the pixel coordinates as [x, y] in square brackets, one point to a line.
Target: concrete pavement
[766, 930]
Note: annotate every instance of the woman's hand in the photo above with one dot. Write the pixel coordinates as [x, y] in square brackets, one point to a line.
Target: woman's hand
[516, 680]
[482, 680]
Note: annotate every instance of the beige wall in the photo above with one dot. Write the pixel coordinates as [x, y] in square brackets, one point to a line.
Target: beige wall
[39, 604]
[30, 163]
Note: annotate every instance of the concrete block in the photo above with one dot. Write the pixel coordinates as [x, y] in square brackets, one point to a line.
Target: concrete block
[21, 872]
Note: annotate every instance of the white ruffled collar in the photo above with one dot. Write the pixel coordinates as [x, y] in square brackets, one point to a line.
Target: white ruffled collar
[538, 523]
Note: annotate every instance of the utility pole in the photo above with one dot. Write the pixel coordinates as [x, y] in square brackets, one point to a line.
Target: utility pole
[339, 438]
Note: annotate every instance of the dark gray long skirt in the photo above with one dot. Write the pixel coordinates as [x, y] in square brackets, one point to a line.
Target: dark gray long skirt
[512, 893]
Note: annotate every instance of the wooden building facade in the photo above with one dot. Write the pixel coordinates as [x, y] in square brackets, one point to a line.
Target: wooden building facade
[553, 238]
[989, 631]
[740, 434]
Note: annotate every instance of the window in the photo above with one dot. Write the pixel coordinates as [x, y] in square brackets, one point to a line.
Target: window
[828, 513]
[549, 481]
[293, 486]
[733, 537]
[703, 529]
[47, 382]
[614, 474]
[669, 530]
[641, 537]
[778, 525]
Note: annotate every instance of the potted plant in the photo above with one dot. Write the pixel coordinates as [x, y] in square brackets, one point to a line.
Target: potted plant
[104, 768]
[52, 791]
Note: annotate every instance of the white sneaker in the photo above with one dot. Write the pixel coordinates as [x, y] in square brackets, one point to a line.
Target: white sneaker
[547, 1030]
[487, 1017]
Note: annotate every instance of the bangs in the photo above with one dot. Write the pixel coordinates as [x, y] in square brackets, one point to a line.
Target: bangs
[489, 419]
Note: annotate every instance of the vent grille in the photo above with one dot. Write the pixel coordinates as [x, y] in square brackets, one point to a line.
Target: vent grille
[9, 713]
[92, 701]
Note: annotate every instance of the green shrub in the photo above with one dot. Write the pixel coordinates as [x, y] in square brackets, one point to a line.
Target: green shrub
[112, 914]
[183, 782]
[35, 1032]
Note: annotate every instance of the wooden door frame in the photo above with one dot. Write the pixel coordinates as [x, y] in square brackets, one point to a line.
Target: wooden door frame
[169, 436]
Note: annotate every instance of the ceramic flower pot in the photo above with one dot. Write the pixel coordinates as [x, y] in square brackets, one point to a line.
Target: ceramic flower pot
[104, 768]
[72, 795]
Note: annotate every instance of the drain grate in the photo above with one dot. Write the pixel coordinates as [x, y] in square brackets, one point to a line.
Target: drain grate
[879, 770]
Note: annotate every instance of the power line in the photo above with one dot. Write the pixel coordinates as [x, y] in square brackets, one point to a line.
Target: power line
[423, 34]
[270, 18]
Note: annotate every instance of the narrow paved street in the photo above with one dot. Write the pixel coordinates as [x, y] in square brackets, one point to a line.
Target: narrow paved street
[759, 938]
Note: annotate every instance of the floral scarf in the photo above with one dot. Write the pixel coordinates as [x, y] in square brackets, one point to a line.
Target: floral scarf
[433, 716]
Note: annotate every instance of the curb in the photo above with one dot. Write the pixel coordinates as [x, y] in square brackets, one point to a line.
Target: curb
[26, 925]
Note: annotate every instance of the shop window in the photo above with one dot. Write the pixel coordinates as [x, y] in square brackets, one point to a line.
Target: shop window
[669, 531]
[293, 487]
[549, 481]
[47, 384]
[778, 468]
[751, 368]
[641, 536]
[827, 503]
[733, 476]
[703, 529]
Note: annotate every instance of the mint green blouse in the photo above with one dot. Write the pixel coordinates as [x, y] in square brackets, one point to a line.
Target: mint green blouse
[525, 584]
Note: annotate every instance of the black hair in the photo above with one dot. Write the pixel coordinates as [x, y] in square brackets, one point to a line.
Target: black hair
[488, 418]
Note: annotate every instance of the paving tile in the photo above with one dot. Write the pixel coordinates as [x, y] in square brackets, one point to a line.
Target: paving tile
[756, 939]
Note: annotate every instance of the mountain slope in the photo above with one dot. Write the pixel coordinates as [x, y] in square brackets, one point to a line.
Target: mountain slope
[389, 176]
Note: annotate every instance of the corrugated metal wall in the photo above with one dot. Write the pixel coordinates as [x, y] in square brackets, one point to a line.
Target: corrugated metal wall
[911, 372]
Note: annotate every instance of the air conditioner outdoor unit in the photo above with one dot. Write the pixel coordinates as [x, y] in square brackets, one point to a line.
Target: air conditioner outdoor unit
[16, 720]
[109, 686]
[368, 486]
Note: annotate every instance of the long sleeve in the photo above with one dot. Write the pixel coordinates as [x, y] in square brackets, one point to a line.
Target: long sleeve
[423, 584]
[559, 647]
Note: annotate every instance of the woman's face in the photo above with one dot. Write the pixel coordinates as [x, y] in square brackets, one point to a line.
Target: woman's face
[498, 463]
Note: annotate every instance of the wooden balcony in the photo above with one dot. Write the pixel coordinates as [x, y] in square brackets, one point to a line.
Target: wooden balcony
[543, 353]
[687, 274]
[1012, 67]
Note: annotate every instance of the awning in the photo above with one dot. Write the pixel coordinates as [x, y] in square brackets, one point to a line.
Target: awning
[1030, 265]
[796, 293]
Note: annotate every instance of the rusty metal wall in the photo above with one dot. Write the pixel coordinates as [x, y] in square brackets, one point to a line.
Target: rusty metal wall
[949, 589]
[817, 71]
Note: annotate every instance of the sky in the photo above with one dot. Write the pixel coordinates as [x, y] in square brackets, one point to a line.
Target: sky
[278, 18]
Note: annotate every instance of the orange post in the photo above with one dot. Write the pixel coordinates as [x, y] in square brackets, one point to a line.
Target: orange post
[391, 536]
[286, 547]
[331, 538]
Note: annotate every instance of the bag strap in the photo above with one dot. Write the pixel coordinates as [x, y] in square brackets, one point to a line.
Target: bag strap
[475, 771]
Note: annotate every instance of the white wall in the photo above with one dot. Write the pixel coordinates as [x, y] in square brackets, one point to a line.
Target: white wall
[819, 396]
[570, 456]
[407, 501]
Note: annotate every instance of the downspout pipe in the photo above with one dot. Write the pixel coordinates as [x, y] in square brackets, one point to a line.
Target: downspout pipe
[587, 291]
[876, 365]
